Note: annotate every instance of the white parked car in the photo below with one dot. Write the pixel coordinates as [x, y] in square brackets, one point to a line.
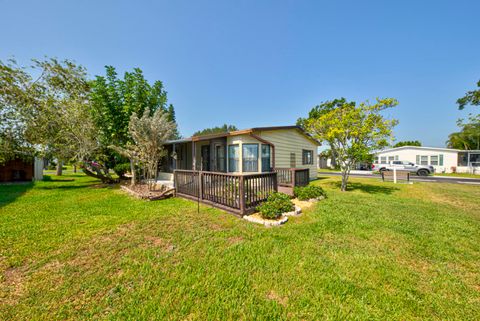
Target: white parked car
[420, 170]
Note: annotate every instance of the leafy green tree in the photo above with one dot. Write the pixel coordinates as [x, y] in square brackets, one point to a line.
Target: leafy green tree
[114, 100]
[471, 98]
[469, 135]
[353, 131]
[216, 130]
[408, 143]
[44, 111]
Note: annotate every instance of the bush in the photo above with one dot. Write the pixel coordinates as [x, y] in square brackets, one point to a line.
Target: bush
[275, 206]
[121, 169]
[308, 192]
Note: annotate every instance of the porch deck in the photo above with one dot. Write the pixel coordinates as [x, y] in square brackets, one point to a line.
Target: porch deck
[237, 193]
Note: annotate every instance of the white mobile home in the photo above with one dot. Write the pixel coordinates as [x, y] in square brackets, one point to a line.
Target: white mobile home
[444, 160]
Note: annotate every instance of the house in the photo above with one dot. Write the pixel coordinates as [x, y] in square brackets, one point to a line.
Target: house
[444, 160]
[21, 170]
[237, 170]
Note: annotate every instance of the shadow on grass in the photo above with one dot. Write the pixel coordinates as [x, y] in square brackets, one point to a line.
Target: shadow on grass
[11, 191]
[367, 188]
[48, 178]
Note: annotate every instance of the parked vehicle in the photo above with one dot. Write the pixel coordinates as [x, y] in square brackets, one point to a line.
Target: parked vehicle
[420, 170]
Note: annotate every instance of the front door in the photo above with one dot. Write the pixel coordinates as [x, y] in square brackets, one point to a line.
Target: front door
[205, 158]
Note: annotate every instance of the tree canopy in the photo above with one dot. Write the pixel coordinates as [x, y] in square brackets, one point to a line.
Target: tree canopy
[215, 130]
[53, 108]
[469, 135]
[45, 113]
[471, 98]
[353, 131]
[408, 143]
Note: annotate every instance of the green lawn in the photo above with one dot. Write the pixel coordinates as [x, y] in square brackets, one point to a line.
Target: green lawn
[71, 248]
[458, 175]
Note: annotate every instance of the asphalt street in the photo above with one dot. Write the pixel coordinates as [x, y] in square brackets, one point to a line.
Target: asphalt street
[415, 178]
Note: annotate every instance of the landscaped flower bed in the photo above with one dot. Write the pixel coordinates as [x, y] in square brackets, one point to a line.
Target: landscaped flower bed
[142, 191]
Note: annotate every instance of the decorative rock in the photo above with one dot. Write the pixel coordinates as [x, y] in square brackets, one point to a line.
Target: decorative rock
[296, 211]
[256, 218]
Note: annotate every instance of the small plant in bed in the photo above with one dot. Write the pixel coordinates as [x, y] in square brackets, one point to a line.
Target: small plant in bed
[309, 192]
[275, 206]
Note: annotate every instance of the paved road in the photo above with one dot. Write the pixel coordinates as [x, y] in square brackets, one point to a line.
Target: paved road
[432, 179]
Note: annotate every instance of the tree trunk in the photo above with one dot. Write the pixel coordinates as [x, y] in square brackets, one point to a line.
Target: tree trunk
[104, 179]
[132, 169]
[345, 175]
[59, 168]
[74, 168]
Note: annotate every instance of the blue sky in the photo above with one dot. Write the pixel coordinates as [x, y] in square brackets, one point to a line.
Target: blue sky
[263, 63]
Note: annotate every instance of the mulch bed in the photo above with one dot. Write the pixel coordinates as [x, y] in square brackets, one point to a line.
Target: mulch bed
[141, 191]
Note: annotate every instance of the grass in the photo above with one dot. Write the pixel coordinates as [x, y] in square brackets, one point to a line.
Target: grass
[328, 170]
[468, 175]
[71, 248]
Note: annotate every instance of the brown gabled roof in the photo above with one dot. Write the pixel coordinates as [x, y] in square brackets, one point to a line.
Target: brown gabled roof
[253, 130]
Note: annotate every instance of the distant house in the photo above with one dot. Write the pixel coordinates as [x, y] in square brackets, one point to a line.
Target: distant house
[21, 170]
[237, 170]
[444, 160]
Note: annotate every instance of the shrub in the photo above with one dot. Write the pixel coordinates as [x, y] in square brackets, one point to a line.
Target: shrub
[309, 192]
[121, 169]
[275, 206]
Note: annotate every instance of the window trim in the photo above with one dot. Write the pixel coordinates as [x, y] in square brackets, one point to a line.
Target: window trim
[229, 170]
[304, 159]
[243, 157]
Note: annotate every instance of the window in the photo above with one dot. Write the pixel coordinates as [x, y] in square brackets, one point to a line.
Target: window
[307, 157]
[434, 160]
[375, 160]
[396, 157]
[441, 159]
[384, 159]
[391, 159]
[250, 157]
[233, 158]
[423, 160]
[220, 157]
[266, 158]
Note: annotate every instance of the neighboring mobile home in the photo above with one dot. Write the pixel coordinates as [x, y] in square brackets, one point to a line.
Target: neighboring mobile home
[237, 170]
[444, 160]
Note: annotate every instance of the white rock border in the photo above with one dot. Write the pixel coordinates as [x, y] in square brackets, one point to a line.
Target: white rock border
[295, 212]
[259, 220]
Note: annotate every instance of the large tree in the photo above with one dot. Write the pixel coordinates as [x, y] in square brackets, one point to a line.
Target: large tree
[113, 100]
[48, 111]
[471, 98]
[216, 130]
[353, 131]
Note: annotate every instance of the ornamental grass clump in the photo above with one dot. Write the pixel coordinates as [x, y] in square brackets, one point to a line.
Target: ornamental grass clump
[275, 206]
[309, 192]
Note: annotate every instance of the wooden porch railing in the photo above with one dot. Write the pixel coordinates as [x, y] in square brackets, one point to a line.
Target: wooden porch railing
[236, 193]
[292, 177]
